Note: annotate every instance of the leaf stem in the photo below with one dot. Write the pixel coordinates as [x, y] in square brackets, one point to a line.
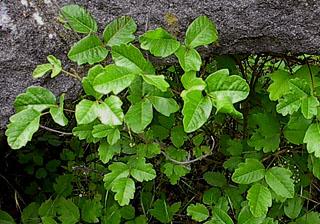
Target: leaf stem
[76, 76]
[68, 110]
[55, 131]
[190, 161]
[311, 76]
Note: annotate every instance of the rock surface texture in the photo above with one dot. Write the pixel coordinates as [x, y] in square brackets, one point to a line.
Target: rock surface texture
[29, 31]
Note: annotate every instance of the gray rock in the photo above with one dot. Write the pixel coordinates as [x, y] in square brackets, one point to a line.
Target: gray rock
[29, 31]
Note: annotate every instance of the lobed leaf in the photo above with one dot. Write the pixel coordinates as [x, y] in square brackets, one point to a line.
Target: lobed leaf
[252, 170]
[112, 79]
[130, 57]
[198, 212]
[196, 110]
[90, 50]
[201, 32]
[119, 31]
[79, 19]
[22, 126]
[165, 106]
[159, 42]
[139, 116]
[279, 181]
[260, 199]
[124, 189]
[312, 139]
[36, 97]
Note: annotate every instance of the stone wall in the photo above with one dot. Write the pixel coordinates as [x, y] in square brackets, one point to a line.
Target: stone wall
[29, 31]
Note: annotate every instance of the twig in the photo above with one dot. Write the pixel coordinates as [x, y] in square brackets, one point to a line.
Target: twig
[56, 131]
[76, 76]
[68, 110]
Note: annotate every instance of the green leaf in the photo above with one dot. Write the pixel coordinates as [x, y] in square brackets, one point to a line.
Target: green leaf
[289, 104]
[148, 150]
[298, 96]
[48, 220]
[249, 172]
[21, 128]
[57, 113]
[88, 81]
[90, 50]
[119, 31]
[113, 136]
[159, 42]
[314, 165]
[191, 82]
[86, 111]
[107, 151]
[157, 81]
[165, 106]
[68, 211]
[280, 84]
[296, 128]
[164, 212]
[312, 139]
[309, 218]
[91, 210]
[226, 90]
[112, 79]
[130, 57]
[175, 171]
[260, 199]
[211, 196]
[196, 110]
[201, 32]
[110, 112]
[266, 135]
[124, 189]
[178, 136]
[219, 216]
[47, 208]
[78, 19]
[245, 217]
[128, 212]
[138, 220]
[55, 64]
[35, 97]
[63, 185]
[112, 215]
[140, 170]
[280, 182]
[189, 59]
[84, 131]
[139, 116]
[118, 170]
[30, 214]
[215, 178]
[309, 106]
[41, 70]
[5, 218]
[293, 207]
[198, 212]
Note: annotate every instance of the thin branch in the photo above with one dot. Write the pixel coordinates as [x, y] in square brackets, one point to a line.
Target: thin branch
[55, 131]
[76, 76]
[68, 110]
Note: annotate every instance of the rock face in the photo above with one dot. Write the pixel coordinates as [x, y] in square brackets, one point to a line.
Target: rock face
[29, 31]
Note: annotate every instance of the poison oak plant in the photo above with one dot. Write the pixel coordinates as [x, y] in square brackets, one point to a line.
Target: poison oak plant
[142, 121]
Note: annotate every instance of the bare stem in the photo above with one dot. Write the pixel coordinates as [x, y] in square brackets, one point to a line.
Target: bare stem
[55, 131]
[190, 161]
[76, 76]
